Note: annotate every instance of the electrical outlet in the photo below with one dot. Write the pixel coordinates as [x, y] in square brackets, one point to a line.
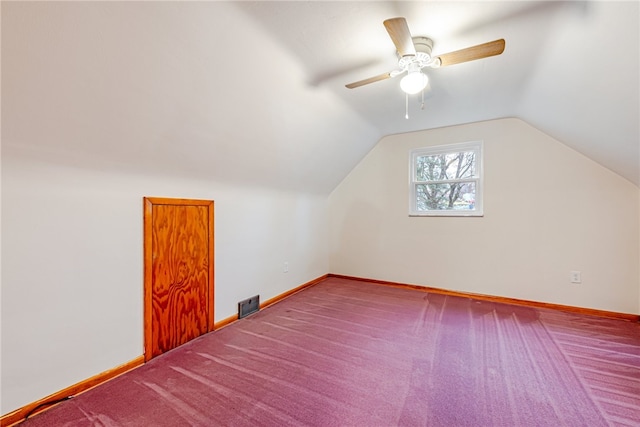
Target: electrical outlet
[285, 267]
[575, 276]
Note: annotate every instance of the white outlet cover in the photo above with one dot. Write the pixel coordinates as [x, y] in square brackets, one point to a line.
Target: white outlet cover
[575, 277]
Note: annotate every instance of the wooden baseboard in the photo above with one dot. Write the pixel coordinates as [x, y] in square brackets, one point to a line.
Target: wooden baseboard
[40, 405]
[284, 295]
[228, 320]
[224, 322]
[18, 415]
[505, 300]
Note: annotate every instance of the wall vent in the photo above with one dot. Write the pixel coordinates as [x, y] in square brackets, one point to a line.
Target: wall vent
[248, 306]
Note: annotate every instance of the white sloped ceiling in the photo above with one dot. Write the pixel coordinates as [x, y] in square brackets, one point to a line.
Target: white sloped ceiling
[253, 92]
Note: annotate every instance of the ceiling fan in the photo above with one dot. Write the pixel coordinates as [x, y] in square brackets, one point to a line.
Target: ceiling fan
[415, 54]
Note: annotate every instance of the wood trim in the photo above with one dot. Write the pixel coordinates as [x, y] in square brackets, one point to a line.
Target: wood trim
[231, 319]
[212, 266]
[18, 415]
[179, 202]
[290, 292]
[504, 300]
[226, 321]
[148, 275]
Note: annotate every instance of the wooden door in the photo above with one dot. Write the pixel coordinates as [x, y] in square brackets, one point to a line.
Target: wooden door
[178, 272]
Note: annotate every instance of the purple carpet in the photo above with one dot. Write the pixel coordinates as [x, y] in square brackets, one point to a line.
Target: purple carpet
[346, 353]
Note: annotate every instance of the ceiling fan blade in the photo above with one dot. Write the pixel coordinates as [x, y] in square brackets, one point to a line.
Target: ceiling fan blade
[369, 80]
[472, 53]
[400, 35]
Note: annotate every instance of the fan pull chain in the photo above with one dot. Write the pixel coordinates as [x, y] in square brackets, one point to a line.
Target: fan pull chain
[406, 106]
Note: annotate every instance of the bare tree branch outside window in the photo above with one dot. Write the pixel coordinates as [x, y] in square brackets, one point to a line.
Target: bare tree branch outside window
[446, 184]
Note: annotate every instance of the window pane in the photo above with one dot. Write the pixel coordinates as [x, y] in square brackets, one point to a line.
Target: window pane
[459, 196]
[446, 166]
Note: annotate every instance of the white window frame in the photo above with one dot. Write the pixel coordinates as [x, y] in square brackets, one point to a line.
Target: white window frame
[477, 147]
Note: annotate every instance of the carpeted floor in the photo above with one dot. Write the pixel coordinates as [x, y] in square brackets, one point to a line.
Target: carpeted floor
[346, 353]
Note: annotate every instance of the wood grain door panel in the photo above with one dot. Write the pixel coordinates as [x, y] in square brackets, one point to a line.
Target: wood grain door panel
[178, 272]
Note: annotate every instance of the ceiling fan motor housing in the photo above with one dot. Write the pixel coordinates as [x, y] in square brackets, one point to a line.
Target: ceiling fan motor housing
[423, 45]
[422, 58]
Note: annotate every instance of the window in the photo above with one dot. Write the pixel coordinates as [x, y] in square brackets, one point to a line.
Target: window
[446, 180]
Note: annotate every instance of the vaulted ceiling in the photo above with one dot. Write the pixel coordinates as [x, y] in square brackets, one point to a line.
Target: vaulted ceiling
[253, 92]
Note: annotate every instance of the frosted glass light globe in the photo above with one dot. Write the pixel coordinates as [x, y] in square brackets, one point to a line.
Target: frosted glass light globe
[414, 82]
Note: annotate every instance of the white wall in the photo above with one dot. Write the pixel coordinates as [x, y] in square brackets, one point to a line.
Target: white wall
[98, 90]
[548, 210]
[72, 266]
[104, 103]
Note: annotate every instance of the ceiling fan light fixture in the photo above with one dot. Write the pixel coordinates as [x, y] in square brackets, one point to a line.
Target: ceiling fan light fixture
[414, 82]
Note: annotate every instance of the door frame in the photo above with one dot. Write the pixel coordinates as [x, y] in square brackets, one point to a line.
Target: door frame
[148, 203]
